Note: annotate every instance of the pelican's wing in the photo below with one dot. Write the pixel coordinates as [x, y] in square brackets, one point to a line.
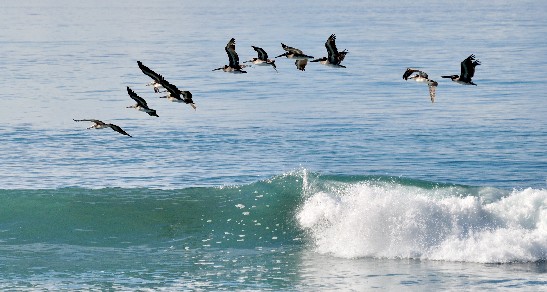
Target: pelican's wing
[118, 129]
[409, 72]
[140, 101]
[342, 55]
[232, 55]
[262, 55]
[155, 76]
[468, 67]
[291, 49]
[98, 122]
[332, 51]
[432, 87]
[301, 64]
[175, 92]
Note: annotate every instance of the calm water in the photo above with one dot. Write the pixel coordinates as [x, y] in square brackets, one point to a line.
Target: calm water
[325, 179]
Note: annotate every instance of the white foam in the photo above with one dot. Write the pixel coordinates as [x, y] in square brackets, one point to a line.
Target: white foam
[396, 221]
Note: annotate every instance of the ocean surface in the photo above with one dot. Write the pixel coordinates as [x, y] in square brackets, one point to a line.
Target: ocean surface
[325, 179]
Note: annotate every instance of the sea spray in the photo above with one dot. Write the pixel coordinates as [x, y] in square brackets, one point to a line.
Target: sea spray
[390, 219]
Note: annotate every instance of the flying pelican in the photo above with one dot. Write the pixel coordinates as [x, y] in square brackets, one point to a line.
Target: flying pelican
[262, 59]
[233, 65]
[421, 76]
[334, 57]
[101, 125]
[467, 71]
[176, 95]
[301, 64]
[155, 77]
[141, 103]
[293, 53]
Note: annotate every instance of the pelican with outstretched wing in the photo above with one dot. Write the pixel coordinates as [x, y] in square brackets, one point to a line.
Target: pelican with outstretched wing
[97, 124]
[233, 65]
[141, 104]
[467, 71]
[334, 57]
[262, 59]
[422, 77]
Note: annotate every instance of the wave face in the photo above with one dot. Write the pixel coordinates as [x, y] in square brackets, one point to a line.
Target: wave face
[405, 219]
[257, 214]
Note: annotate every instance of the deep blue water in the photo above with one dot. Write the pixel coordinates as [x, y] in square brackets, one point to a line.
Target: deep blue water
[275, 176]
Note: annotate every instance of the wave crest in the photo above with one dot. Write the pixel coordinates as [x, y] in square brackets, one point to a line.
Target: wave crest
[393, 220]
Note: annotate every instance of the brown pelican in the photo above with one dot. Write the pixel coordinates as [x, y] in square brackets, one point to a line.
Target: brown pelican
[293, 53]
[101, 125]
[155, 76]
[421, 76]
[141, 103]
[334, 57]
[301, 64]
[233, 65]
[467, 71]
[176, 95]
[262, 59]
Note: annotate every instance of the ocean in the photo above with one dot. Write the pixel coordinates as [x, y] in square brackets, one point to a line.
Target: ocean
[318, 180]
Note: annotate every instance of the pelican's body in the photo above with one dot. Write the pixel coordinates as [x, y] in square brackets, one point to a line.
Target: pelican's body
[97, 124]
[467, 71]
[293, 53]
[422, 77]
[233, 65]
[334, 57]
[262, 59]
[141, 104]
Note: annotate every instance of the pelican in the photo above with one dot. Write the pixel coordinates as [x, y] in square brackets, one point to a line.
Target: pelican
[155, 85]
[467, 71]
[422, 77]
[141, 103]
[293, 53]
[155, 77]
[176, 95]
[334, 57]
[301, 64]
[262, 59]
[233, 66]
[101, 125]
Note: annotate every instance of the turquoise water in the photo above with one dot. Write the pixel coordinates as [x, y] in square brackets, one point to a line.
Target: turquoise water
[346, 179]
[276, 234]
